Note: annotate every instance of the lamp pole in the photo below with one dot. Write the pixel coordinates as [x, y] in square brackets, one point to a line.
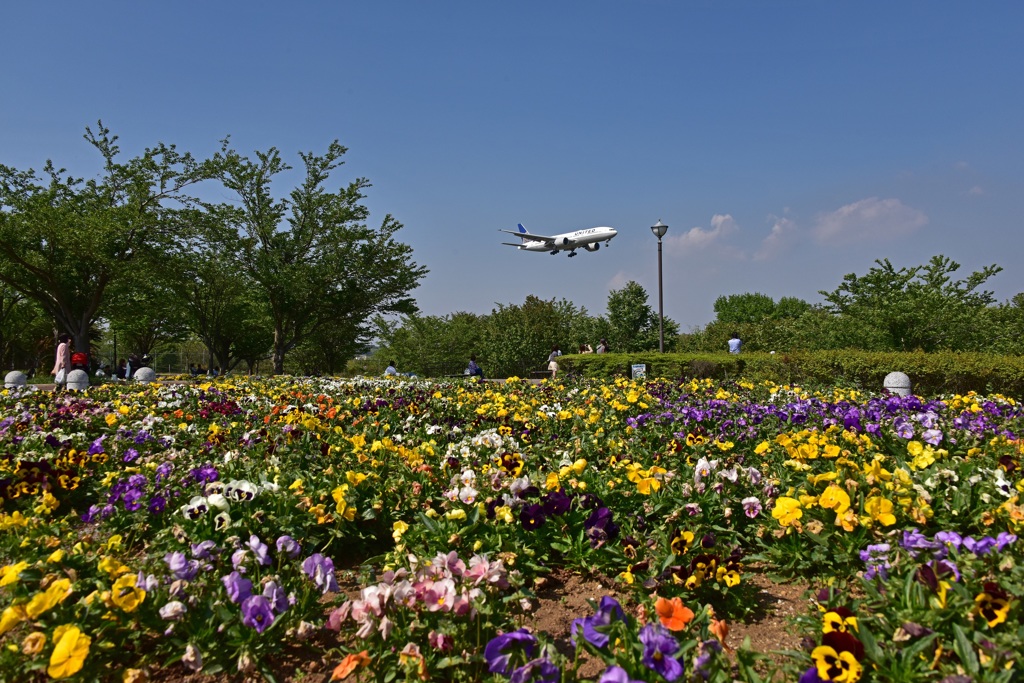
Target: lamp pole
[659, 229]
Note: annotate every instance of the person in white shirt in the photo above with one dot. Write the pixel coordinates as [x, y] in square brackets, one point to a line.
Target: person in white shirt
[735, 343]
[390, 369]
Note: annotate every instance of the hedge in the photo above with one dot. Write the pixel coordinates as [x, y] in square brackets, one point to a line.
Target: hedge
[930, 373]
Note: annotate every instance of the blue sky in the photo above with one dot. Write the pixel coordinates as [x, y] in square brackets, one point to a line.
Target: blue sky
[785, 143]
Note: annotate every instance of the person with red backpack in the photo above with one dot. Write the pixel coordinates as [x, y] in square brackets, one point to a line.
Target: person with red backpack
[80, 361]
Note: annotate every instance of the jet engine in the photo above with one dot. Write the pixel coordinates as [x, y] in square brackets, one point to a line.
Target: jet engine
[566, 241]
[592, 247]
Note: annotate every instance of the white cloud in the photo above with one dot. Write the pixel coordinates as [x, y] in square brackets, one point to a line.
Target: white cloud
[697, 239]
[869, 220]
[976, 191]
[781, 232]
[619, 280]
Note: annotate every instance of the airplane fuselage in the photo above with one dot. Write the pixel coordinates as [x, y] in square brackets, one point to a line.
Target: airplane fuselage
[572, 240]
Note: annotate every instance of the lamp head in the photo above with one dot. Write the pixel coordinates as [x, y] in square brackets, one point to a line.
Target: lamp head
[659, 229]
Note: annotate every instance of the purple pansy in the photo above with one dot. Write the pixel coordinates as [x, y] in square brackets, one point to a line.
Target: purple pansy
[659, 646]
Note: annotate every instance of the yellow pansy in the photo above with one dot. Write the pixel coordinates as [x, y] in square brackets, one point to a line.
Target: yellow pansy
[835, 498]
[787, 510]
[69, 653]
[125, 594]
[11, 617]
[880, 510]
[348, 512]
[56, 593]
[111, 566]
[11, 572]
[875, 473]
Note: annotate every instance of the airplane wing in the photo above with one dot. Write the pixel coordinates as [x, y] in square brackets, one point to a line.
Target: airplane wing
[530, 236]
[513, 244]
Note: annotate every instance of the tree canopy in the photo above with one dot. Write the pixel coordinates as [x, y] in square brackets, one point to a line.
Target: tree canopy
[65, 240]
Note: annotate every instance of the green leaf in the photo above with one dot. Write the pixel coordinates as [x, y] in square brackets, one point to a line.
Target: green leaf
[964, 650]
[428, 522]
[871, 648]
[817, 539]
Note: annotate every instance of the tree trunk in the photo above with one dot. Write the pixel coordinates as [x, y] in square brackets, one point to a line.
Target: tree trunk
[279, 350]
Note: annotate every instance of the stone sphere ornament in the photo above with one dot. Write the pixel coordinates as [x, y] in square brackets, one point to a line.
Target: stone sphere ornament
[897, 383]
[15, 378]
[78, 380]
[145, 375]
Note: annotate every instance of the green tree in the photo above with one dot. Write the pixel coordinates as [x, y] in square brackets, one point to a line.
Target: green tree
[145, 312]
[26, 332]
[519, 338]
[64, 241]
[634, 324]
[1002, 329]
[220, 304]
[917, 308]
[432, 345]
[790, 307]
[735, 309]
[313, 259]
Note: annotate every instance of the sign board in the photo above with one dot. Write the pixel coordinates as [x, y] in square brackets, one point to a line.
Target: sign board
[638, 371]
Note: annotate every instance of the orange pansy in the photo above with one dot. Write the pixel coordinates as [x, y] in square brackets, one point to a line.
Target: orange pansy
[350, 664]
[674, 615]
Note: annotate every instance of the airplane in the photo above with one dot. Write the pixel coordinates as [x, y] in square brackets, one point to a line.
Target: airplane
[589, 238]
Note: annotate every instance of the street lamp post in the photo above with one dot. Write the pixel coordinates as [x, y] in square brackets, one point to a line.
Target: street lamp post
[659, 229]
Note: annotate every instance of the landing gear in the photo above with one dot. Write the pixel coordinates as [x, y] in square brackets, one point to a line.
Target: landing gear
[554, 251]
[572, 253]
[607, 244]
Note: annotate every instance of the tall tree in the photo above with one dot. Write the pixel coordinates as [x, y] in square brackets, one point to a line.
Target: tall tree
[221, 307]
[432, 345]
[634, 324]
[744, 308]
[518, 338]
[312, 257]
[64, 240]
[921, 307]
[26, 333]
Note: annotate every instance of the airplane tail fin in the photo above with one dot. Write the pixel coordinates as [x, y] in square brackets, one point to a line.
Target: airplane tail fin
[522, 230]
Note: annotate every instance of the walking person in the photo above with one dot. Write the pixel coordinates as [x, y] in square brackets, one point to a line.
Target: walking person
[62, 363]
[553, 361]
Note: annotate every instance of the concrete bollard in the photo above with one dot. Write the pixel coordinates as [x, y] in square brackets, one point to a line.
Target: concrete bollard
[78, 380]
[145, 375]
[15, 378]
[897, 383]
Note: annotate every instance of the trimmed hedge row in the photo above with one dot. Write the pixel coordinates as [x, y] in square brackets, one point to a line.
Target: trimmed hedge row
[930, 373]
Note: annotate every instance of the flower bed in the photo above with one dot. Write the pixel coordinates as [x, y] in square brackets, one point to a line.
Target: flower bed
[202, 526]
